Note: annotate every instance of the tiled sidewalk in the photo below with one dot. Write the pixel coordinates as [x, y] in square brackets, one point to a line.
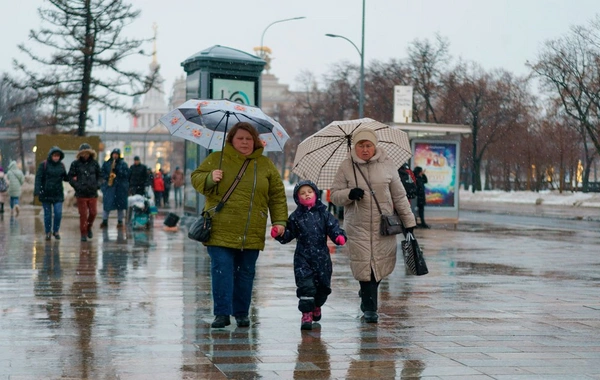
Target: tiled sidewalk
[497, 304]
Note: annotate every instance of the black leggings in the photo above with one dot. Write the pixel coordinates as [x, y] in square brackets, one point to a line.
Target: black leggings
[368, 294]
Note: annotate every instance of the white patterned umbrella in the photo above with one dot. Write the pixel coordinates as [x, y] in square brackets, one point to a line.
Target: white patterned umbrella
[320, 155]
[206, 123]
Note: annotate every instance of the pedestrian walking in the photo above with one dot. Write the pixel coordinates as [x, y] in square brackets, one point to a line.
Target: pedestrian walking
[167, 181]
[85, 178]
[158, 186]
[310, 224]
[238, 229]
[178, 181]
[115, 187]
[138, 177]
[49, 178]
[4, 184]
[421, 200]
[372, 255]
[15, 178]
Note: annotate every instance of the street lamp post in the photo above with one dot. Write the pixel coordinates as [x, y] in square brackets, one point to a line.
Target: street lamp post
[262, 37]
[361, 53]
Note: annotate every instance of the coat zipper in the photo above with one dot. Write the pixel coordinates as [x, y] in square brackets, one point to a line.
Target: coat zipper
[250, 208]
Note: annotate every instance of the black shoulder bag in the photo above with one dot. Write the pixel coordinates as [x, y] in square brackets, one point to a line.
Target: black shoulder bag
[390, 224]
[200, 229]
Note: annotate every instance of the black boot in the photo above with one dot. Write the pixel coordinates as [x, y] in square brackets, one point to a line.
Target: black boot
[221, 321]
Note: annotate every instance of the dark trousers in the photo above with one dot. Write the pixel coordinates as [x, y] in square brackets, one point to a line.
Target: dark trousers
[88, 209]
[166, 196]
[368, 294]
[232, 272]
[421, 209]
[311, 293]
[157, 197]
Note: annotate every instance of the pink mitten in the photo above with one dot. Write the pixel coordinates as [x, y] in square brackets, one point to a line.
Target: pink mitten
[340, 240]
[274, 232]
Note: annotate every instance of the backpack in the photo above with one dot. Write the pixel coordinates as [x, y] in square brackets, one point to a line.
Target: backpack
[409, 182]
[3, 185]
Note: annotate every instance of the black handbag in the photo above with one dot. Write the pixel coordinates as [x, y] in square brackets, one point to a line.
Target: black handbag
[389, 224]
[414, 261]
[200, 229]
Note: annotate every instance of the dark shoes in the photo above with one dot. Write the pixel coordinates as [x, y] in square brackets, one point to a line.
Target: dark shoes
[90, 234]
[423, 225]
[56, 236]
[371, 316]
[120, 224]
[48, 236]
[104, 224]
[242, 321]
[220, 322]
[83, 238]
[316, 314]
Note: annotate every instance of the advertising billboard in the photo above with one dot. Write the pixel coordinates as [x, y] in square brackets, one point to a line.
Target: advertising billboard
[439, 162]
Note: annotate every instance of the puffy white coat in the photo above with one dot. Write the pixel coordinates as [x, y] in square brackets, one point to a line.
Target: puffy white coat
[369, 250]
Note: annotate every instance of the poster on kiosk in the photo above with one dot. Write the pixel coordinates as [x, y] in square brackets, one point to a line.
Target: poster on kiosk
[439, 160]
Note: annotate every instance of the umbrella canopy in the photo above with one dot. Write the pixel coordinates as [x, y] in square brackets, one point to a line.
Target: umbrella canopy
[320, 155]
[206, 123]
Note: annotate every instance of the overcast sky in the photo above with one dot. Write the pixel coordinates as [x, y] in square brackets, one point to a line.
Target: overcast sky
[497, 34]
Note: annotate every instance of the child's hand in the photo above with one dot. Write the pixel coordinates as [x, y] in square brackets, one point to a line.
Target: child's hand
[340, 240]
[274, 232]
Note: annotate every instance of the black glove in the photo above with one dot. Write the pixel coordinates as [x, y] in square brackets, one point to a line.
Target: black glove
[410, 230]
[356, 194]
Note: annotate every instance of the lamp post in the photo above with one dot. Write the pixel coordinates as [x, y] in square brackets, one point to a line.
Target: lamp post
[262, 37]
[361, 53]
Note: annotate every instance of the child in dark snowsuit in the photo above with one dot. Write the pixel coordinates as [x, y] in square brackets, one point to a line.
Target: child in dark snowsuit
[310, 224]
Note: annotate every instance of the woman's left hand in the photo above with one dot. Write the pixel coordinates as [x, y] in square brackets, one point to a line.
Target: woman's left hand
[277, 230]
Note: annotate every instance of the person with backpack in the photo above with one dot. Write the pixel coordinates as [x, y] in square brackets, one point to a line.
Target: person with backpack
[84, 177]
[3, 190]
[49, 178]
[15, 178]
[409, 181]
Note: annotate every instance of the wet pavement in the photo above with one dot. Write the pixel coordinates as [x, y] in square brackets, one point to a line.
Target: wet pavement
[501, 301]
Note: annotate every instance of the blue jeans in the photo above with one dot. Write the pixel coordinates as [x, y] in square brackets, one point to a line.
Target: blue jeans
[178, 196]
[13, 202]
[232, 272]
[48, 209]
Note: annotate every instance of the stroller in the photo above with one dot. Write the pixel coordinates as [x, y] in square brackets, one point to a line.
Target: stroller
[140, 213]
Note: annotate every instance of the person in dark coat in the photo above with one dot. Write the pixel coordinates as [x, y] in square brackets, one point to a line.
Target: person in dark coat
[85, 178]
[114, 188]
[310, 224]
[167, 180]
[49, 178]
[138, 177]
[421, 201]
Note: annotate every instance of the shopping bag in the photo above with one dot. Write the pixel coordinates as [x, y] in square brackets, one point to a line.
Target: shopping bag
[414, 261]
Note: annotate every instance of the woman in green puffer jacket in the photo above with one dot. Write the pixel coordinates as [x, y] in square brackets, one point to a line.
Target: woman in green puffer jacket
[239, 228]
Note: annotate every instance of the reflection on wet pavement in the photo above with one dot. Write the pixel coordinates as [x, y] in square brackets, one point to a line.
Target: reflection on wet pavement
[500, 302]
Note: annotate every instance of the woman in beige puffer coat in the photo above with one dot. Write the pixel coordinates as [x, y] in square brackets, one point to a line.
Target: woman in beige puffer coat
[372, 255]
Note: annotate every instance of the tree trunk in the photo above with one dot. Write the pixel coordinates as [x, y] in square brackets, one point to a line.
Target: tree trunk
[88, 55]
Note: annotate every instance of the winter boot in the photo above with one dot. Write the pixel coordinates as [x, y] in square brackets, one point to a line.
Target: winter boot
[104, 224]
[221, 321]
[306, 322]
[371, 316]
[316, 314]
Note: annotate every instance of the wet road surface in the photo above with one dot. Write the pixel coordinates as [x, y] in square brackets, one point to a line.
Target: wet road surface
[502, 301]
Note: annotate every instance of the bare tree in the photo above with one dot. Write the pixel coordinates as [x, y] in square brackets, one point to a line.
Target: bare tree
[570, 71]
[490, 104]
[88, 47]
[427, 61]
[381, 77]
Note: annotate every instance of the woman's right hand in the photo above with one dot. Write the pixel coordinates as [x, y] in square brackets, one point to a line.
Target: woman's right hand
[217, 175]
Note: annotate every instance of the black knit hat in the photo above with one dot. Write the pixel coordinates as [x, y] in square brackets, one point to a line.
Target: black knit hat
[84, 146]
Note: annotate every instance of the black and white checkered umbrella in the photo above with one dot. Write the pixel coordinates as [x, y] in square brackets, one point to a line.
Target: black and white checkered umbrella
[320, 155]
